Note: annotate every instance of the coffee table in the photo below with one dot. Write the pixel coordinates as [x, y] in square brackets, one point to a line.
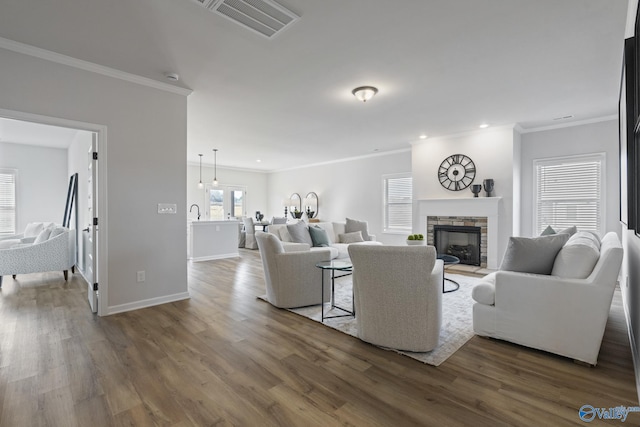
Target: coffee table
[342, 266]
[449, 260]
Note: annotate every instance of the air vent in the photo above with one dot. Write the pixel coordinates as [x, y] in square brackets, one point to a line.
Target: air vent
[264, 17]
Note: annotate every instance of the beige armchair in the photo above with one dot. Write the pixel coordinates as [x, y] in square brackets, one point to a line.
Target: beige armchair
[398, 295]
[292, 278]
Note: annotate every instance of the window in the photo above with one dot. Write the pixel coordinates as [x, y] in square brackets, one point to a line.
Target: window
[224, 202]
[7, 201]
[398, 203]
[569, 191]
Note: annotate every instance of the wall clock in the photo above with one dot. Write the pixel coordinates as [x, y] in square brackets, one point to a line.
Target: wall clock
[456, 172]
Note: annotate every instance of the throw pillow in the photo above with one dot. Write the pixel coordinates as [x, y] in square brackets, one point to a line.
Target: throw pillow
[299, 233]
[548, 231]
[319, 236]
[578, 257]
[533, 255]
[353, 237]
[33, 229]
[57, 231]
[43, 236]
[353, 225]
[570, 231]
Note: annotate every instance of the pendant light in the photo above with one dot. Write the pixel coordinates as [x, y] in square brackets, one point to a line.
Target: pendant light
[200, 184]
[215, 167]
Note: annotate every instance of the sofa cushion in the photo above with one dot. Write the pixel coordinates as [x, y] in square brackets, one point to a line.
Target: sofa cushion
[8, 243]
[319, 236]
[33, 229]
[532, 255]
[299, 233]
[484, 293]
[577, 257]
[352, 237]
[353, 225]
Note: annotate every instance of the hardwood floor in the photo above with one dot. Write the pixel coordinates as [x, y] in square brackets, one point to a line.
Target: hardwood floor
[226, 358]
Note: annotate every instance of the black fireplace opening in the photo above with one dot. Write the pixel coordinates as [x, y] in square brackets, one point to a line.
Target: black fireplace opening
[460, 241]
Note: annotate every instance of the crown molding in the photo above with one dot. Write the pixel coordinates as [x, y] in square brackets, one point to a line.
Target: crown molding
[89, 66]
[346, 159]
[571, 124]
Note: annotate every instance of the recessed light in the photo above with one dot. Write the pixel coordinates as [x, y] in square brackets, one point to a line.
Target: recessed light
[423, 136]
[258, 160]
[172, 76]
[484, 126]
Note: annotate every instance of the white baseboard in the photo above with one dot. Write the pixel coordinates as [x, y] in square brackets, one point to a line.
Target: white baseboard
[632, 341]
[147, 303]
[212, 257]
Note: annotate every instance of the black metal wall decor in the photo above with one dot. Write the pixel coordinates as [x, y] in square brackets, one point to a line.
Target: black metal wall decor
[456, 172]
[72, 196]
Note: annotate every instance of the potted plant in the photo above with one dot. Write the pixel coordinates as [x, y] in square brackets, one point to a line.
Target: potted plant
[415, 239]
[296, 213]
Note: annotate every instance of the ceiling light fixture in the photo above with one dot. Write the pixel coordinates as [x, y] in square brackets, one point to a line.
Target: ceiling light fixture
[484, 126]
[200, 184]
[364, 93]
[215, 167]
[423, 136]
[172, 76]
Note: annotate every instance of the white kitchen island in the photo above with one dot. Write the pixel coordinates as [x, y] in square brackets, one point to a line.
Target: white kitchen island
[213, 240]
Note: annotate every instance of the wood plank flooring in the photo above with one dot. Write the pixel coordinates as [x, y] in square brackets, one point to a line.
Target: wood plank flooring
[226, 358]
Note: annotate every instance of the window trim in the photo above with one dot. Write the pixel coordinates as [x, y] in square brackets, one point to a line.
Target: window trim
[385, 228]
[548, 161]
[14, 172]
[227, 204]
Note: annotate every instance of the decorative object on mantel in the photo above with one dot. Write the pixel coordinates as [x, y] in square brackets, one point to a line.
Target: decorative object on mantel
[364, 93]
[475, 189]
[295, 206]
[488, 186]
[215, 167]
[200, 184]
[311, 205]
[259, 216]
[416, 239]
[456, 172]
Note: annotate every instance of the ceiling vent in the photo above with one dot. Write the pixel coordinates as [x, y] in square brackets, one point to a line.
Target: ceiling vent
[264, 17]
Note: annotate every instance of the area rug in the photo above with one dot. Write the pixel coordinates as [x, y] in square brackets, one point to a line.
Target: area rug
[456, 330]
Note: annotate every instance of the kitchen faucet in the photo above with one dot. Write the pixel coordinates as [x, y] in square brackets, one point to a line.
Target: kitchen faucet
[197, 207]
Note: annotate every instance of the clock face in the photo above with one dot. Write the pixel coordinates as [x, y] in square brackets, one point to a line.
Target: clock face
[456, 172]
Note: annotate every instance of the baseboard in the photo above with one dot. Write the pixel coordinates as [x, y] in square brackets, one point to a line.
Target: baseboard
[632, 342]
[212, 257]
[147, 303]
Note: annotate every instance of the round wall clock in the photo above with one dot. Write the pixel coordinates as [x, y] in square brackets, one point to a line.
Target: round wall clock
[456, 172]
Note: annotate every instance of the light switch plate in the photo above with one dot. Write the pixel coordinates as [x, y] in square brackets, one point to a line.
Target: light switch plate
[167, 208]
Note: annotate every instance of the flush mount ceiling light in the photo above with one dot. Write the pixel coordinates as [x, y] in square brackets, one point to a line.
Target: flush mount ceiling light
[484, 126]
[364, 93]
[215, 167]
[423, 136]
[200, 184]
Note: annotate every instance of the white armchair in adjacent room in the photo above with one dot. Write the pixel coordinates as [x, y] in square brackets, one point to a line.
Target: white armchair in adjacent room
[292, 278]
[55, 250]
[398, 295]
[250, 233]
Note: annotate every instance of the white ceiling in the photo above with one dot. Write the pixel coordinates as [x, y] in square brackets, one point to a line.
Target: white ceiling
[19, 132]
[441, 67]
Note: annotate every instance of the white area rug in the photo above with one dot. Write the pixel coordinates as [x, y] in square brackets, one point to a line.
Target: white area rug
[457, 327]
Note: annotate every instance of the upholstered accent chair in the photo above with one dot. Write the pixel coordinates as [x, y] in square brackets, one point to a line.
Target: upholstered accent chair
[250, 233]
[292, 278]
[56, 251]
[398, 295]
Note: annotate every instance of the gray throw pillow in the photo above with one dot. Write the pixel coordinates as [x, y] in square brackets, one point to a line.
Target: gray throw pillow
[353, 225]
[548, 231]
[570, 230]
[319, 236]
[299, 233]
[353, 237]
[533, 255]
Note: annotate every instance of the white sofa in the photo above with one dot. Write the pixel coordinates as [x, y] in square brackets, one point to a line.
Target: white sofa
[334, 231]
[54, 248]
[561, 315]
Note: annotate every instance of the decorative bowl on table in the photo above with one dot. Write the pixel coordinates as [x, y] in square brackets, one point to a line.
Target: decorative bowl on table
[416, 239]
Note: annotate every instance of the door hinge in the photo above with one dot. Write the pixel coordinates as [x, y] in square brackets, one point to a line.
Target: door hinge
[95, 155]
[95, 286]
[95, 221]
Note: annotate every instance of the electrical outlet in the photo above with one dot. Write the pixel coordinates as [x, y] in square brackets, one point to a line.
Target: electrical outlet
[141, 276]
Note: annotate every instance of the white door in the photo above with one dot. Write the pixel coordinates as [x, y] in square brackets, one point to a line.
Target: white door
[90, 234]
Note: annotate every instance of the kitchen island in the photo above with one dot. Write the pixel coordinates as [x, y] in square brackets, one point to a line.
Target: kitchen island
[210, 240]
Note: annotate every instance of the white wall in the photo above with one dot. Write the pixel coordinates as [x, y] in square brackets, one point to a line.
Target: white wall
[146, 152]
[585, 139]
[492, 150]
[42, 182]
[254, 182]
[350, 188]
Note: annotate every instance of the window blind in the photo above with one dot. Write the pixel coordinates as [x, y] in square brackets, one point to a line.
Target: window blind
[398, 203]
[569, 192]
[7, 202]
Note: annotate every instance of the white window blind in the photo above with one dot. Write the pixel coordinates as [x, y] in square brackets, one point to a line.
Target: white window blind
[398, 203]
[7, 201]
[569, 191]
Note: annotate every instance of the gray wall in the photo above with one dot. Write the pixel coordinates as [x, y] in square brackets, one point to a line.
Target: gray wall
[146, 152]
[42, 182]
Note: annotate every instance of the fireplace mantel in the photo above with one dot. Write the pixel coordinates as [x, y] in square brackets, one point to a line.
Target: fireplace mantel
[488, 207]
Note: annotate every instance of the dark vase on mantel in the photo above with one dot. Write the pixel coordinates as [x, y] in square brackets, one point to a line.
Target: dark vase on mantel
[475, 189]
[488, 186]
